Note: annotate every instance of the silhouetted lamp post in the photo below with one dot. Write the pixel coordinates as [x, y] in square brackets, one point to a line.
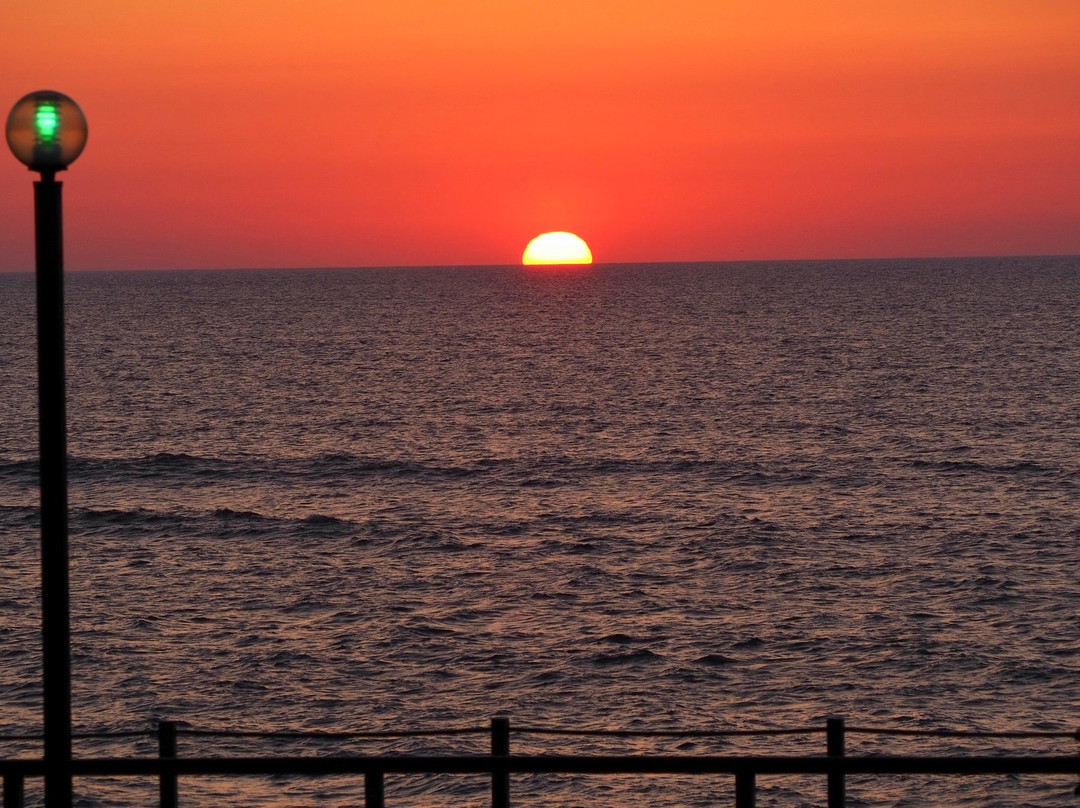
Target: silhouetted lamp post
[47, 131]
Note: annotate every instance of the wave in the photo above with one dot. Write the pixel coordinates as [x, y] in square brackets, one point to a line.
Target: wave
[974, 467]
[714, 660]
[535, 471]
[227, 523]
[532, 466]
[641, 655]
[435, 541]
[220, 522]
[164, 465]
[19, 514]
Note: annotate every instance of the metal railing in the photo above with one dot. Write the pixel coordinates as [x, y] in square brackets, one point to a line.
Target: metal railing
[835, 765]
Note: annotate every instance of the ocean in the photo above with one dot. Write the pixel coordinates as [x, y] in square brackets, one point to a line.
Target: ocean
[652, 496]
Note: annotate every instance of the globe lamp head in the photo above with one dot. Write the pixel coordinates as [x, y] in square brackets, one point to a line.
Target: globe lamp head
[46, 131]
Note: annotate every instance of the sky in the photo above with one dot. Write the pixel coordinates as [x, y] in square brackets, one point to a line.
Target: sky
[280, 133]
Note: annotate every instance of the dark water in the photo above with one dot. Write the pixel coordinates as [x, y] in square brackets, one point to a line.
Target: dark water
[651, 496]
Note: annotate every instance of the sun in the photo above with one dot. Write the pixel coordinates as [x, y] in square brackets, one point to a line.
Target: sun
[558, 247]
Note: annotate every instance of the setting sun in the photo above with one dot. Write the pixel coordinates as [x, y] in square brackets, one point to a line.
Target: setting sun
[557, 248]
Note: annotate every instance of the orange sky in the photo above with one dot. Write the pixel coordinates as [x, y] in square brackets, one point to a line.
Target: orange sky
[249, 133]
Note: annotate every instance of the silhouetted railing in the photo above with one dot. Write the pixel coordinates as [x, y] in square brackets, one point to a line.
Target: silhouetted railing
[835, 765]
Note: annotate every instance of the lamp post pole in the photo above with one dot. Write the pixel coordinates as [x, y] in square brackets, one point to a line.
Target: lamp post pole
[47, 131]
[52, 443]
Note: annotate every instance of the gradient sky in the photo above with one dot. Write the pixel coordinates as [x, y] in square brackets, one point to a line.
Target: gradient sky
[276, 133]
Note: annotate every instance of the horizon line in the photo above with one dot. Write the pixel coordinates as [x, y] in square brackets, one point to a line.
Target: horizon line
[573, 267]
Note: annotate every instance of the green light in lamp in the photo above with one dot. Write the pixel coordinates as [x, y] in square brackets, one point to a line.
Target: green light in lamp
[47, 121]
[46, 131]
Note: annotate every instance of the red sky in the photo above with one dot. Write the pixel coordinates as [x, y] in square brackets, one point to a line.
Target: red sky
[277, 133]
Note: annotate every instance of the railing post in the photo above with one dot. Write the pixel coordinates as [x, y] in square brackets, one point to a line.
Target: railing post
[374, 793]
[834, 734]
[744, 790]
[13, 789]
[500, 747]
[168, 794]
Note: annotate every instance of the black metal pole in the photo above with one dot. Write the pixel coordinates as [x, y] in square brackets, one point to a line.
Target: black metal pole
[745, 789]
[374, 790]
[834, 739]
[168, 791]
[52, 442]
[13, 790]
[500, 747]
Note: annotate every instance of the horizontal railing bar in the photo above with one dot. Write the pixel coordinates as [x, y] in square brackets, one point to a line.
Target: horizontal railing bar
[600, 733]
[577, 764]
[557, 764]
[959, 733]
[320, 735]
[666, 733]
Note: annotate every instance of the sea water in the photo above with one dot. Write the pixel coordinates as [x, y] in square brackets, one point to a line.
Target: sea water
[647, 496]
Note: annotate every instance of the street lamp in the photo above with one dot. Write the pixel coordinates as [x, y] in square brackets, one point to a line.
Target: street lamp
[47, 131]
